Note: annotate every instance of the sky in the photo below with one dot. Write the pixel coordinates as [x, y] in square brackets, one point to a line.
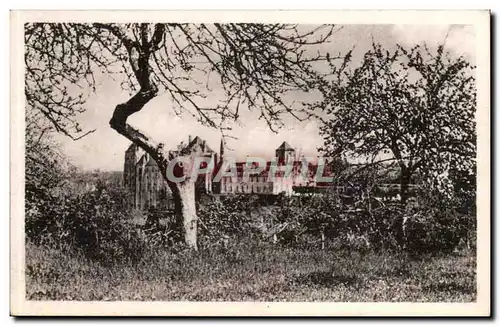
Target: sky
[104, 149]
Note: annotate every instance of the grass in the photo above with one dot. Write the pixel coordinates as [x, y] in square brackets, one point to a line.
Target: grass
[254, 272]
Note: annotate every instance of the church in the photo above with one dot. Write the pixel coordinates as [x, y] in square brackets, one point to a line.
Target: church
[144, 182]
[147, 188]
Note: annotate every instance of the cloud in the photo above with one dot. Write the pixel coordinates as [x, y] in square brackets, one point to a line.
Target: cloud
[458, 39]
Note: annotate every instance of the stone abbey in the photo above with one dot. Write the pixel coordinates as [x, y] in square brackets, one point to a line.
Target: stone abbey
[146, 187]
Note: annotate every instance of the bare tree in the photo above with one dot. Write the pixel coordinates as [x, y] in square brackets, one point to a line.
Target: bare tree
[413, 106]
[256, 65]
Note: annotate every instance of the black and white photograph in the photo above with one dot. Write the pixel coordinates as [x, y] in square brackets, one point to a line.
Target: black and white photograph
[260, 160]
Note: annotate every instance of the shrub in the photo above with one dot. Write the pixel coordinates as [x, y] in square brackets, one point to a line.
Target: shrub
[305, 218]
[226, 219]
[444, 229]
[92, 222]
[415, 228]
[361, 229]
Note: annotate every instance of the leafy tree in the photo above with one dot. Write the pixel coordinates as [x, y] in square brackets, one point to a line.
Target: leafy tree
[414, 107]
[46, 168]
[256, 66]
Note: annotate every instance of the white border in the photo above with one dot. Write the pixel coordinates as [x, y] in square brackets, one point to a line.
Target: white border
[19, 306]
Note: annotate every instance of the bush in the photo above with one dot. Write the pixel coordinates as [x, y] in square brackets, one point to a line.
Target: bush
[92, 222]
[361, 229]
[96, 223]
[445, 229]
[225, 220]
[300, 221]
[420, 230]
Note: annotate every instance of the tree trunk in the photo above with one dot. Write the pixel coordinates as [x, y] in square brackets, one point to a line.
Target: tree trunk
[322, 240]
[184, 192]
[401, 227]
[190, 219]
[405, 183]
[185, 210]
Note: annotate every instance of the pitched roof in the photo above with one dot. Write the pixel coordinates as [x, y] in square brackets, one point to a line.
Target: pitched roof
[204, 147]
[286, 146]
[152, 163]
[142, 159]
[132, 148]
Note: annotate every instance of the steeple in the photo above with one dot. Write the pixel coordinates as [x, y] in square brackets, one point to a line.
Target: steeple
[221, 149]
[285, 153]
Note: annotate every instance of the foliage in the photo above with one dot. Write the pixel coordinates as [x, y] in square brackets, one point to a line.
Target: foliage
[227, 219]
[61, 213]
[303, 216]
[443, 230]
[300, 221]
[412, 106]
[45, 167]
[93, 222]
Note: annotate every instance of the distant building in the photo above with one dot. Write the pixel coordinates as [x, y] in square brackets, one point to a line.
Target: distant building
[144, 182]
[146, 186]
[142, 179]
[281, 175]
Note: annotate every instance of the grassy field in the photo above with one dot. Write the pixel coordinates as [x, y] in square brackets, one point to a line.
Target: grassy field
[254, 272]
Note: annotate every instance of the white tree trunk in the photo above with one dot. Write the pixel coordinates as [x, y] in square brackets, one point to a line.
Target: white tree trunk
[188, 211]
[322, 240]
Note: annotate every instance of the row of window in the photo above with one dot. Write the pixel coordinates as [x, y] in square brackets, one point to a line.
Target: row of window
[251, 179]
[229, 188]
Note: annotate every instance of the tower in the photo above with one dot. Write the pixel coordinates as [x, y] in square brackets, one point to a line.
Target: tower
[221, 151]
[285, 153]
[132, 155]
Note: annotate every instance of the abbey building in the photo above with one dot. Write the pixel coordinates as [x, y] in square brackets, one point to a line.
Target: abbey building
[146, 186]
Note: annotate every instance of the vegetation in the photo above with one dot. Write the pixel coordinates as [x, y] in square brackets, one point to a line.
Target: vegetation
[87, 248]
[251, 271]
[83, 244]
[414, 107]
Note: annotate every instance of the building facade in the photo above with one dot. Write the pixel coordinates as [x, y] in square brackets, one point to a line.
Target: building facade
[281, 175]
[146, 186]
[144, 181]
